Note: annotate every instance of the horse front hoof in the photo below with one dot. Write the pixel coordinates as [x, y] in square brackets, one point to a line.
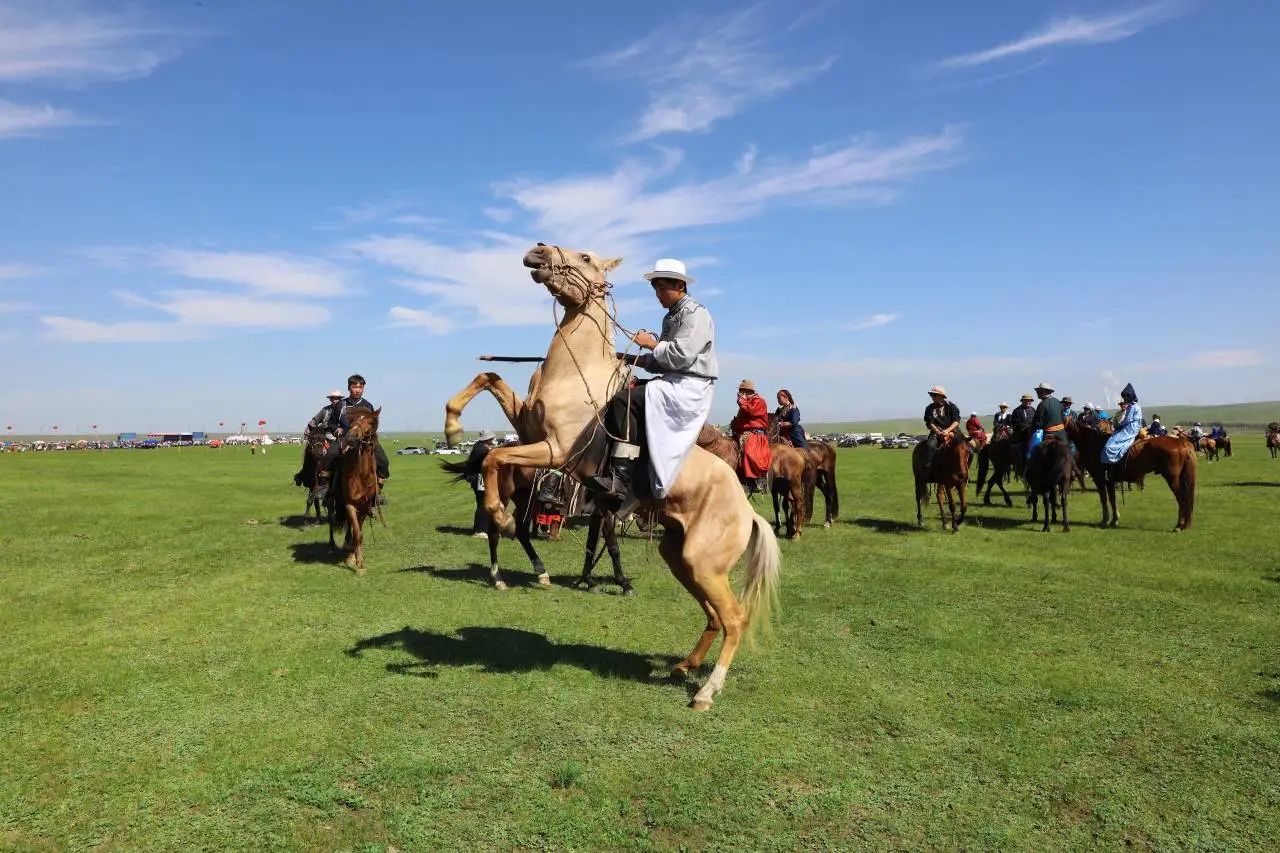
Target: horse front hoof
[628, 590]
[826, 525]
[544, 581]
[679, 672]
[500, 586]
[700, 704]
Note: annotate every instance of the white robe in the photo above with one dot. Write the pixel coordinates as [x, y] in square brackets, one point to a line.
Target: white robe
[676, 407]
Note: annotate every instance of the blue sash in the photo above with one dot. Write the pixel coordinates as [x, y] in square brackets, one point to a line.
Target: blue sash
[1036, 438]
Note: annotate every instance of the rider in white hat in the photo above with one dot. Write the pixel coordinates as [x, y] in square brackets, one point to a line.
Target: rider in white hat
[679, 398]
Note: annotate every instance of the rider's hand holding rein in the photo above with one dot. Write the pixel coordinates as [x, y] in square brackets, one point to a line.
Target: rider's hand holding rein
[645, 339]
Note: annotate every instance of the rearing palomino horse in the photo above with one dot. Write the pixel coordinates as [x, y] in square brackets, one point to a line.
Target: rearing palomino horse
[707, 521]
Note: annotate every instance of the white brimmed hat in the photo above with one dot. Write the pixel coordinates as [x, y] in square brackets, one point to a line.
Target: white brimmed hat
[938, 389]
[335, 393]
[486, 435]
[669, 268]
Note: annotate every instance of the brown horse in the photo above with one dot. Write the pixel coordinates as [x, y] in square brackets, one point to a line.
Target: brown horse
[950, 474]
[1209, 447]
[1171, 457]
[791, 476]
[1273, 439]
[357, 480]
[791, 482]
[822, 457]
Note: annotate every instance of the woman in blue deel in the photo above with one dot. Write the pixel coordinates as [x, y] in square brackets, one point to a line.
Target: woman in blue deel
[1127, 424]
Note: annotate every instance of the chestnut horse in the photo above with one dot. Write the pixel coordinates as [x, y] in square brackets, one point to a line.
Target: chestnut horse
[791, 477]
[1273, 439]
[356, 479]
[1209, 447]
[1169, 456]
[950, 474]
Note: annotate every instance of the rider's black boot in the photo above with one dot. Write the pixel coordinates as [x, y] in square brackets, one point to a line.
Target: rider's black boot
[611, 490]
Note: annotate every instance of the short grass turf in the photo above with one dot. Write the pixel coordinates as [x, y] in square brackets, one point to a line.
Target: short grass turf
[184, 667]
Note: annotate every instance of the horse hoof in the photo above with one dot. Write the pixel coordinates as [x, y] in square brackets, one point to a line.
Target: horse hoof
[359, 571]
[500, 586]
[679, 672]
[627, 590]
[544, 580]
[700, 705]
[826, 525]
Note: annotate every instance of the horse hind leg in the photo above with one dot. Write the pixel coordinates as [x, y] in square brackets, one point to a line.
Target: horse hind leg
[670, 548]
[733, 621]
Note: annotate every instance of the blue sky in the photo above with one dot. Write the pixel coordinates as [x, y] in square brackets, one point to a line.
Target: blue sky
[215, 211]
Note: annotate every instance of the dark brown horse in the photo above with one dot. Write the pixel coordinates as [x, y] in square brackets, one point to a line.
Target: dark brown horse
[519, 484]
[950, 474]
[308, 477]
[1273, 439]
[356, 480]
[1049, 474]
[998, 459]
[1171, 457]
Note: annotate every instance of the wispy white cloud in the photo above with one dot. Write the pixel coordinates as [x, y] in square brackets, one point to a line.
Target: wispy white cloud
[419, 319]
[269, 295]
[477, 284]
[13, 271]
[616, 208]
[28, 120]
[700, 70]
[75, 331]
[622, 212]
[873, 321]
[200, 308]
[1071, 30]
[44, 41]
[1217, 359]
[267, 273]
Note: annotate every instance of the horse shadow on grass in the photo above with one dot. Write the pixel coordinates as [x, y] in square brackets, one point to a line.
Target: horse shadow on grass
[476, 573]
[313, 552]
[887, 525]
[507, 650]
[299, 522]
[454, 530]
[1248, 484]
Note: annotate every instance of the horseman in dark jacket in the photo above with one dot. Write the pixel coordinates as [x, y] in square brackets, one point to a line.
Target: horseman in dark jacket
[1049, 414]
[942, 420]
[1020, 421]
[355, 399]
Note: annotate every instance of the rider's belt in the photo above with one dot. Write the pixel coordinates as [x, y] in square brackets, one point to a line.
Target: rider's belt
[1058, 428]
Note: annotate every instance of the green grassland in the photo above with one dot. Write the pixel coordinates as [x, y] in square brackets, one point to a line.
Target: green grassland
[184, 667]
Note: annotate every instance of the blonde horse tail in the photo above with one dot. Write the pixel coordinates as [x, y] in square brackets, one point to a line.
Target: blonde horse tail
[764, 561]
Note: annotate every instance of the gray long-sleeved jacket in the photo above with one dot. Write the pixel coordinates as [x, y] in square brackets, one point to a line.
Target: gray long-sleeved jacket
[687, 344]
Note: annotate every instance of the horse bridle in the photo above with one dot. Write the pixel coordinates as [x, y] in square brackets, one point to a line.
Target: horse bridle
[569, 275]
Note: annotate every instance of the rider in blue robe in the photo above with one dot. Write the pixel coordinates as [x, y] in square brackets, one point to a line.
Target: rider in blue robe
[1128, 422]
